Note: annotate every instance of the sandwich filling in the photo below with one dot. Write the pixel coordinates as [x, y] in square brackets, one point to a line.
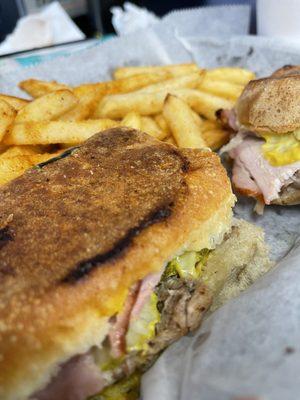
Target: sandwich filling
[158, 310]
[265, 167]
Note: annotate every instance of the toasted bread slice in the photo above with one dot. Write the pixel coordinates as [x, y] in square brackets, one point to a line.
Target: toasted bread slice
[79, 230]
[271, 104]
[287, 70]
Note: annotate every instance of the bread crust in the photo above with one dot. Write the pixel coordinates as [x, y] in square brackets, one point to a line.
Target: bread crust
[287, 70]
[271, 104]
[122, 195]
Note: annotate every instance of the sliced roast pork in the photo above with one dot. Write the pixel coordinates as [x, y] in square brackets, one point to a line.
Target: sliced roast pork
[253, 175]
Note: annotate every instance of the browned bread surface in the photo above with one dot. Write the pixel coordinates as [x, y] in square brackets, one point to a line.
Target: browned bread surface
[271, 104]
[287, 70]
[76, 233]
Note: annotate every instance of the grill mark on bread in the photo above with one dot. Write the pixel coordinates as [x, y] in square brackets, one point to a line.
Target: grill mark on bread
[84, 267]
[185, 167]
[59, 157]
[6, 235]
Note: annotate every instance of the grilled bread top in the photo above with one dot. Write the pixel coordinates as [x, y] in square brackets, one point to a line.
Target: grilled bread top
[271, 104]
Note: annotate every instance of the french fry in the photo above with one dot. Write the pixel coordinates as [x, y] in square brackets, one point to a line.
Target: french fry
[236, 75]
[125, 85]
[56, 131]
[216, 138]
[13, 166]
[170, 140]
[117, 106]
[205, 104]
[13, 151]
[184, 81]
[16, 102]
[65, 146]
[209, 125]
[228, 90]
[132, 120]
[214, 134]
[88, 97]
[150, 126]
[135, 82]
[47, 107]
[174, 70]
[185, 127]
[7, 116]
[37, 88]
[162, 123]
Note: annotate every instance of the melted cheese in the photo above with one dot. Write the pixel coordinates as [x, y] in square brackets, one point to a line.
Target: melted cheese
[282, 149]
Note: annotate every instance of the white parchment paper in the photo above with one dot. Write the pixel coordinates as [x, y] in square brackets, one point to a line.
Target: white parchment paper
[250, 346]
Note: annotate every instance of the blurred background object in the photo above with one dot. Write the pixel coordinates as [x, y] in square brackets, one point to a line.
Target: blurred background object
[93, 17]
[51, 26]
[130, 17]
[279, 18]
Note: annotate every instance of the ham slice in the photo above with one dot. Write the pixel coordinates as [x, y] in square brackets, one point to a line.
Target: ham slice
[78, 378]
[81, 377]
[135, 301]
[242, 180]
[118, 330]
[144, 294]
[250, 162]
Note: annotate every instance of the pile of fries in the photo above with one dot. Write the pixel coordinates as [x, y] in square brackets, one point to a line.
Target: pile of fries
[174, 103]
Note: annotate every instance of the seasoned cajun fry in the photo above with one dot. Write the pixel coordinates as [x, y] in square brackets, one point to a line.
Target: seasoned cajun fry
[236, 75]
[205, 104]
[228, 90]
[88, 97]
[174, 103]
[37, 88]
[134, 82]
[56, 131]
[162, 123]
[48, 107]
[150, 126]
[79, 113]
[21, 150]
[216, 138]
[7, 116]
[184, 81]
[132, 120]
[185, 125]
[12, 166]
[117, 106]
[16, 102]
[209, 125]
[125, 85]
[174, 70]
[170, 140]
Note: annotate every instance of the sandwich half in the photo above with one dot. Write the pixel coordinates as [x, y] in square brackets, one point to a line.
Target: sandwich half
[109, 253]
[266, 147]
